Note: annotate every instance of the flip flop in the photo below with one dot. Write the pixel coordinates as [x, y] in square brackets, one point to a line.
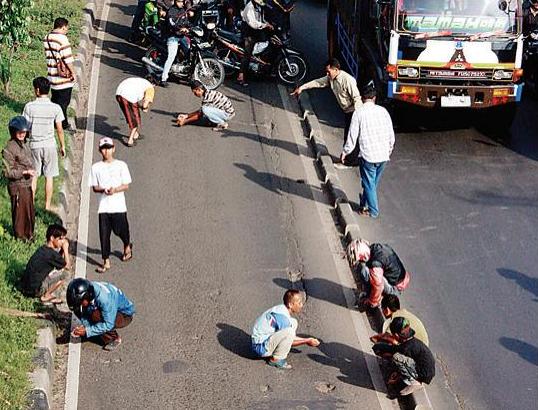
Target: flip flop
[102, 269]
[279, 364]
[128, 256]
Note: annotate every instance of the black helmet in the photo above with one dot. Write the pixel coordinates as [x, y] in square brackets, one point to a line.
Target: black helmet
[18, 123]
[79, 289]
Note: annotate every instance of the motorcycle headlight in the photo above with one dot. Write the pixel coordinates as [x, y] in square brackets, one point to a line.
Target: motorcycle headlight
[210, 26]
[409, 72]
[502, 75]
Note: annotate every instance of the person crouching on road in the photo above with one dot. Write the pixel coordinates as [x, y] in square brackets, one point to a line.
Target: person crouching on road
[217, 109]
[102, 308]
[273, 334]
[132, 94]
[380, 271]
[412, 359]
[19, 171]
[111, 178]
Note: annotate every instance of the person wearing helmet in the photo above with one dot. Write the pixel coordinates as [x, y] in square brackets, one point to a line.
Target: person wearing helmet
[19, 171]
[253, 31]
[102, 308]
[380, 271]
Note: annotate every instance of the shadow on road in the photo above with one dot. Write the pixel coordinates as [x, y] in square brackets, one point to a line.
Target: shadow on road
[525, 350]
[236, 341]
[319, 288]
[272, 142]
[525, 281]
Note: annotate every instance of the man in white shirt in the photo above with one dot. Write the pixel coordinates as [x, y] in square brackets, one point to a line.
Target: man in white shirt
[371, 128]
[111, 178]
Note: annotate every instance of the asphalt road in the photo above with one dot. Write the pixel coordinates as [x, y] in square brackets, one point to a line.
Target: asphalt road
[220, 224]
[460, 208]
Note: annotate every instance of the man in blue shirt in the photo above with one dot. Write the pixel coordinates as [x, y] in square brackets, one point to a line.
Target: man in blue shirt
[102, 308]
[273, 334]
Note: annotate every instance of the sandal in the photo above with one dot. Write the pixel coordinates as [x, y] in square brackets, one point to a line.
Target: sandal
[52, 301]
[102, 268]
[279, 364]
[128, 255]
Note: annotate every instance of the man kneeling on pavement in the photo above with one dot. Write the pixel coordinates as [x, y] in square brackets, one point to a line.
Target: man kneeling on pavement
[412, 360]
[46, 269]
[102, 308]
[274, 332]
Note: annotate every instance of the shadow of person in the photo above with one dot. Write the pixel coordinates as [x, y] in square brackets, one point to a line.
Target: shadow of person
[319, 288]
[351, 363]
[236, 341]
[526, 282]
[525, 350]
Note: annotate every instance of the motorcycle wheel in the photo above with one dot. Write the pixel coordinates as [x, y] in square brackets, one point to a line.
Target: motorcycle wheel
[292, 69]
[212, 75]
[227, 56]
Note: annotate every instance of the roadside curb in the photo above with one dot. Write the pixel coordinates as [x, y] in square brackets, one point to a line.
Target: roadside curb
[42, 377]
[347, 218]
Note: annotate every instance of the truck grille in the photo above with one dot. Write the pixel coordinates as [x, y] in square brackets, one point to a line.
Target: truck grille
[457, 75]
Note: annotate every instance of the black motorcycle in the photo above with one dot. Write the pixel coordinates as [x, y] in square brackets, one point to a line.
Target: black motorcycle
[202, 64]
[530, 62]
[271, 57]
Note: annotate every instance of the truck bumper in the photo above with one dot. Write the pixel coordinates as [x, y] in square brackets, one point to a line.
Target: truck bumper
[431, 96]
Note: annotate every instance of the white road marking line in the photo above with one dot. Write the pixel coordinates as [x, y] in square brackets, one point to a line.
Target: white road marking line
[358, 319]
[73, 361]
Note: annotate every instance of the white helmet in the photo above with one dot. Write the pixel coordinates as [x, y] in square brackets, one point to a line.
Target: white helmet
[259, 2]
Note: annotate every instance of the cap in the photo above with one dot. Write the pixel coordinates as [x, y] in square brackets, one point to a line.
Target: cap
[106, 142]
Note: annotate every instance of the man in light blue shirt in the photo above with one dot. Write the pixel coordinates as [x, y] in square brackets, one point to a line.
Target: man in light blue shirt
[273, 334]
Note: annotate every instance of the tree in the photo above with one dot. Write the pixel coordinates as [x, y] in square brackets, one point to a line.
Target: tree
[14, 19]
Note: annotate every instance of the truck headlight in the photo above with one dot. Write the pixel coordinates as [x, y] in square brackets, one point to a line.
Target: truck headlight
[502, 75]
[409, 72]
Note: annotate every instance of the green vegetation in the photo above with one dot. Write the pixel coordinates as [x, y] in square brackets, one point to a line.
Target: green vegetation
[17, 335]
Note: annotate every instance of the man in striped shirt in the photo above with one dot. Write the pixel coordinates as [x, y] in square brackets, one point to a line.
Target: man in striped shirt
[57, 49]
[217, 109]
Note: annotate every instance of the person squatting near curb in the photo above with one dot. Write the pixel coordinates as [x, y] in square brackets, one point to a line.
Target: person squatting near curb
[412, 360]
[274, 332]
[132, 94]
[60, 69]
[46, 269]
[380, 272]
[390, 306]
[111, 178]
[44, 116]
[343, 86]
[19, 171]
[372, 131]
[102, 308]
[216, 110]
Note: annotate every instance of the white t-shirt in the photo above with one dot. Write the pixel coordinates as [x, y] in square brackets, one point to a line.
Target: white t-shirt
[133, 88]
[110, 175]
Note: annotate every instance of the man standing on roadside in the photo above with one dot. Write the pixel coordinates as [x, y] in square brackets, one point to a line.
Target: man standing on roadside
[371, 128]
[344, 87]
[44, 116]
[273, 334]
[19, 171]
[61, 72]
[111, 178]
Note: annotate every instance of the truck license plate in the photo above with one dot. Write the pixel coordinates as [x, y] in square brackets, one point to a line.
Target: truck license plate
[456, 101]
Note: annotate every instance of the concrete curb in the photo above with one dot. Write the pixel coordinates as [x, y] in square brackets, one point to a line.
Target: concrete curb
[347, 218]
[40, 396]
[41, 379]
[83, 53]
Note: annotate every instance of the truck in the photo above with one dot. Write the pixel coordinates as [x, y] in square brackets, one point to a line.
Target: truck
[433, 53]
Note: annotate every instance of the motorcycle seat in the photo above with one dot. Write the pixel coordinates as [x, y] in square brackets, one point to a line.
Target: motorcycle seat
[230, 36]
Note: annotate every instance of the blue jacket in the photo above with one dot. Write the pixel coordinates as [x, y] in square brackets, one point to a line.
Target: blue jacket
[109, 300]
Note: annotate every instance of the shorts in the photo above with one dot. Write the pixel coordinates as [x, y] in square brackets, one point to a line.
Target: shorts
[52, 278]
[46, 161]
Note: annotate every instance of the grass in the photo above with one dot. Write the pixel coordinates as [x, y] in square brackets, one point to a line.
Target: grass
[17, 336]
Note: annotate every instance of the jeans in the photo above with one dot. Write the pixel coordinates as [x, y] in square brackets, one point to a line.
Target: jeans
[370, 176]
[215, 115]
[172, 43]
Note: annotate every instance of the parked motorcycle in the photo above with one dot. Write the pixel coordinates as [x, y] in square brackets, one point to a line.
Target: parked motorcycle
[271, 57]
[530, 62]
[202, 64]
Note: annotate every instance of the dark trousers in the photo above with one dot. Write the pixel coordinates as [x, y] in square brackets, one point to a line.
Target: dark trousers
[121, 321]
[138, 17]
[116, 223]
[22, 212]
[347, 124]
[62, 98]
